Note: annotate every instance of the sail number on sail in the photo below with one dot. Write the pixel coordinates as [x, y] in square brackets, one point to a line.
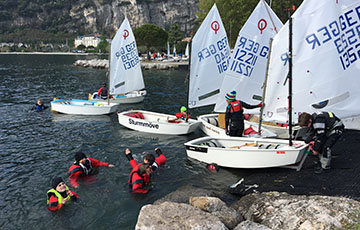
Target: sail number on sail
[128, 55]
[345, 35]
[246, 55]
[220, 51]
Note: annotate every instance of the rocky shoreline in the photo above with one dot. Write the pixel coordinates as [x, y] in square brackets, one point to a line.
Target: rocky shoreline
[163, 65]
[274, 198]
[196, 208]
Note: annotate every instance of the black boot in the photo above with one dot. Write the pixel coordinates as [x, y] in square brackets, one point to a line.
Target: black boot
[321, 170]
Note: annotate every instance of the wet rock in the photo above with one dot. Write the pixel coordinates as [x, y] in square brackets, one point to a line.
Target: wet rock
[217, 207]
[283, 211]
[169, 215]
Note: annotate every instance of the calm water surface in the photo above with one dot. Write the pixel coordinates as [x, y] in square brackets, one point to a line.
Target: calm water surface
[35, 147]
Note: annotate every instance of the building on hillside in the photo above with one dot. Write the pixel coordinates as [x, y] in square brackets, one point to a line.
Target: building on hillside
[87, 40]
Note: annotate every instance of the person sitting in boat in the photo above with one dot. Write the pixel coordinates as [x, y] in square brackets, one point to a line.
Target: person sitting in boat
[149, 159]
[59, 195]
[103, 92]
[234, 115]
[182, 116]
[84, 167]
[39, 106]
[325, 131]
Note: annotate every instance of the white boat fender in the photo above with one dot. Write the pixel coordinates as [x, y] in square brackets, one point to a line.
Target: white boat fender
[213, 167]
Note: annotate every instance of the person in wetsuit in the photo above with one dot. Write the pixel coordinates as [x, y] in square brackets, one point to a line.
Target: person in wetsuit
[325, 131]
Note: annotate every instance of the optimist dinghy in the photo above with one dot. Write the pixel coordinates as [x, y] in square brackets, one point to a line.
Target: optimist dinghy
[126, 81]
[246, 152]
[151, 122]
[82, 107]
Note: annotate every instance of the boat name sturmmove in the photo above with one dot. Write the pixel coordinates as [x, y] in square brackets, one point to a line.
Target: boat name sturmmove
[146, 124]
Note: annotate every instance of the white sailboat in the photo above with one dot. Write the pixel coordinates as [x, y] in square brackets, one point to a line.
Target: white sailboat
[158, 123]
[326, 63]
[241, 152]
[82, 107]
[246, 152]
[126, 83]
[243, 72]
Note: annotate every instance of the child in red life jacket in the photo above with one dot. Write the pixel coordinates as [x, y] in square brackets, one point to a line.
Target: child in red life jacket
[140, 174]
[83, 167]
[103, 92]
[182, 116]
[59, 195]
[148, 159]
[234, 115]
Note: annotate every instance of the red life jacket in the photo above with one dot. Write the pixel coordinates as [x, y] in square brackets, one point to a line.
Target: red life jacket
[137, 181]
[235, 106]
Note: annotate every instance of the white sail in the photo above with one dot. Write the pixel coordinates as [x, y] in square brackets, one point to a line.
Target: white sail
[326, 61]
[247, 66]
[125, 69]
[210, 53]
[187, 50]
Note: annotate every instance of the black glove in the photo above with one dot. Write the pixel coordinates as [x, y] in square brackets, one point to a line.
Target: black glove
[129, 156]
[158, 151]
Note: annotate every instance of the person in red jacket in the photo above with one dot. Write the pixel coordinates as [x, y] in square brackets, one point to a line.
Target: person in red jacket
[182, 116]
[103, 92]
[59, 195]
[140, 179]
[149, 158]
[83, 167]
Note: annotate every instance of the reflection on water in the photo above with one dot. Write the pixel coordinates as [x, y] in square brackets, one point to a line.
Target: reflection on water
[35, 146]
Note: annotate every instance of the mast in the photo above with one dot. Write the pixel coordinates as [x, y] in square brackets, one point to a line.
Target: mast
[290, 81]
[264, 85]
[108, 73]
[188, 77]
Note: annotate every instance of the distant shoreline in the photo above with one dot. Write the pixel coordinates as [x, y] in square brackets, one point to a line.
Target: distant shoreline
[53, 53]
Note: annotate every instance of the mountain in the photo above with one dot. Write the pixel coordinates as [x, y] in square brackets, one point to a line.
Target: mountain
[91, 16]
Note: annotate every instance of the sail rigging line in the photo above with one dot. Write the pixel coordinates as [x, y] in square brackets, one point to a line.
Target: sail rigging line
[272, 22]
[290, 81]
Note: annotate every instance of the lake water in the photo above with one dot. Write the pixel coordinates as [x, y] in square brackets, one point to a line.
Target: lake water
[35, 147]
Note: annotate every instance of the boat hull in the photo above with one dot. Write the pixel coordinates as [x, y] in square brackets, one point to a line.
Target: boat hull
[352, 122]
[82, 107]
[242, 152]
[210, 126]
[156, 123]
[128, 98]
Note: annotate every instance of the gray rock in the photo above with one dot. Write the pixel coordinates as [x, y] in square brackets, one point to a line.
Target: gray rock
[283, 211]
[246, 225]
[168, 216]
[229, 216]
[183, 194]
